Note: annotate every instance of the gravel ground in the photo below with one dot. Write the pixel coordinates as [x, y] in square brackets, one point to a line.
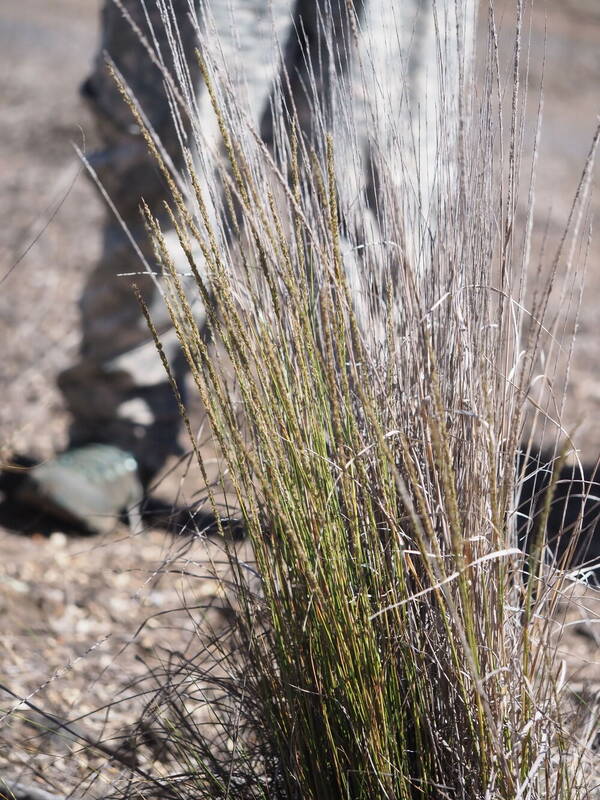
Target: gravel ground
[70, 607]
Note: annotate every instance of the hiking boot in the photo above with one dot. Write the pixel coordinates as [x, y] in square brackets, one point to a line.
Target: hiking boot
[89, 486]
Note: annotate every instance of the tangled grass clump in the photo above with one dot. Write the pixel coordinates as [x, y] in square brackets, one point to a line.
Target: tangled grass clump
[392, 638]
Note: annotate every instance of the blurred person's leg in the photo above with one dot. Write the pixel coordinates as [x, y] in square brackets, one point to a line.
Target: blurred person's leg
[399, 144]
[386, 79]
[416, 113]
[118, 393]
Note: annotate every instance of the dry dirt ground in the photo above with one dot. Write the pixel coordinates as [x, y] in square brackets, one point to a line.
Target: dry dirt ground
[71, 607]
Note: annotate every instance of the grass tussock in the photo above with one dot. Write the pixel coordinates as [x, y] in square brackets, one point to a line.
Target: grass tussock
[367, 387]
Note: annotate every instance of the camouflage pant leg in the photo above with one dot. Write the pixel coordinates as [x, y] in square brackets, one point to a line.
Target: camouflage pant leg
[118, 391]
